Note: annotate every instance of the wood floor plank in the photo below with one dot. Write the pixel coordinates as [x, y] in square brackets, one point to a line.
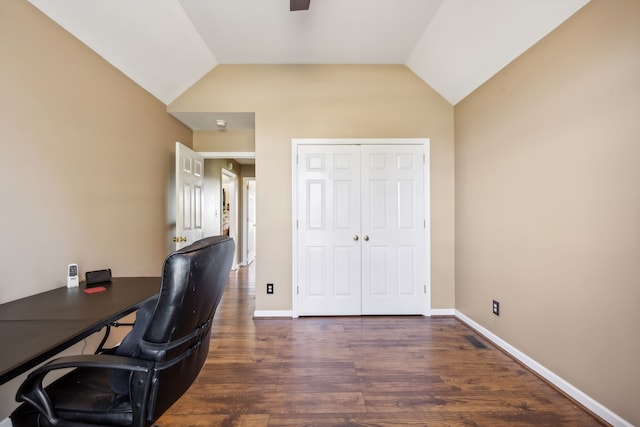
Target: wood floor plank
[360, 371]
[269, 403]
[242, 420]
[376, 384]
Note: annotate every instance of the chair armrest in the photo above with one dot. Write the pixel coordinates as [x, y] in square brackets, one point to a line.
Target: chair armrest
[32, 390]
[110, 361]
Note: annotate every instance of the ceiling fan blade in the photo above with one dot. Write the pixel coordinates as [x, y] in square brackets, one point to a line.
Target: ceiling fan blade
[298, 5]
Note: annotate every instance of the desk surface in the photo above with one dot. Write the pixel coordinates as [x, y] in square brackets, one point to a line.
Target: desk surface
[35, 328]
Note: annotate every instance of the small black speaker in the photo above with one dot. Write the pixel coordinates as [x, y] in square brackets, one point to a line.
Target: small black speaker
[94, 278]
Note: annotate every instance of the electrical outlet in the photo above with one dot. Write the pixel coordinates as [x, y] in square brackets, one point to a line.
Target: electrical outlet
[496, 308]
[269, 288]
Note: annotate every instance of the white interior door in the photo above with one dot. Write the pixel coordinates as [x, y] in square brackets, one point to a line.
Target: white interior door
[328, 230]
[394, 230]
[189, 196]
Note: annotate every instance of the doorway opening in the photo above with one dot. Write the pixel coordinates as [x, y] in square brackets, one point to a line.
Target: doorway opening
[229, 225]
[226, 177]
[248, 220]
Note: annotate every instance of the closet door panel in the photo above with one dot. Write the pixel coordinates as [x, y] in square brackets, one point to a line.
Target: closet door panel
[329, 278]
[393, 228]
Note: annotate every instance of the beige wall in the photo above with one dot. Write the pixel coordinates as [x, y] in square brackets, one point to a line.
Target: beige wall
[329, 101]
[548, 203]
[248, 171]
[85, 159]
[235, 141]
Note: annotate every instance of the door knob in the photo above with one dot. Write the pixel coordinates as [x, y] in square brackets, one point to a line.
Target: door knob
[366, 238]
[356, 237]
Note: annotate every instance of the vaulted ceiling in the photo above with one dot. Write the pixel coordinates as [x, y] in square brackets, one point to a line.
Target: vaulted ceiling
[168, 45]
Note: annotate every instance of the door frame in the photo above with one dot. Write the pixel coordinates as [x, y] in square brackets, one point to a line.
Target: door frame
[295, 142]
[233, 210]
[245, 219]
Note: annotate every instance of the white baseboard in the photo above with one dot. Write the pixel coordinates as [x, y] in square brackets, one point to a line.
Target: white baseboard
[289, 313]
[271, 313]
[588, 402]
[442, 312]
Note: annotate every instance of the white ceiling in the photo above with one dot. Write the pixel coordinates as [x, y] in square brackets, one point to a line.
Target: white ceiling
[168, 45]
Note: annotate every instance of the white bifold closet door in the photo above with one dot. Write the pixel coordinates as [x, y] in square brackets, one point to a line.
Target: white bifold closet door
[361, 230]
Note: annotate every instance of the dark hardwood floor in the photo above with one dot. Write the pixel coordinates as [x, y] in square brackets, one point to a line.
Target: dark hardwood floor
[360, 371]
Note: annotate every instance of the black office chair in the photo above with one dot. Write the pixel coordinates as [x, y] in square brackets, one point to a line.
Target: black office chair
[156, 362]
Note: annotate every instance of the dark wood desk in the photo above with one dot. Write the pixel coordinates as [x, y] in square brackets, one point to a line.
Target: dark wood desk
[36, 328]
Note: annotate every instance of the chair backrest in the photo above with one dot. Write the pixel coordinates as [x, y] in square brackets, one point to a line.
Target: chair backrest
[178, 334]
